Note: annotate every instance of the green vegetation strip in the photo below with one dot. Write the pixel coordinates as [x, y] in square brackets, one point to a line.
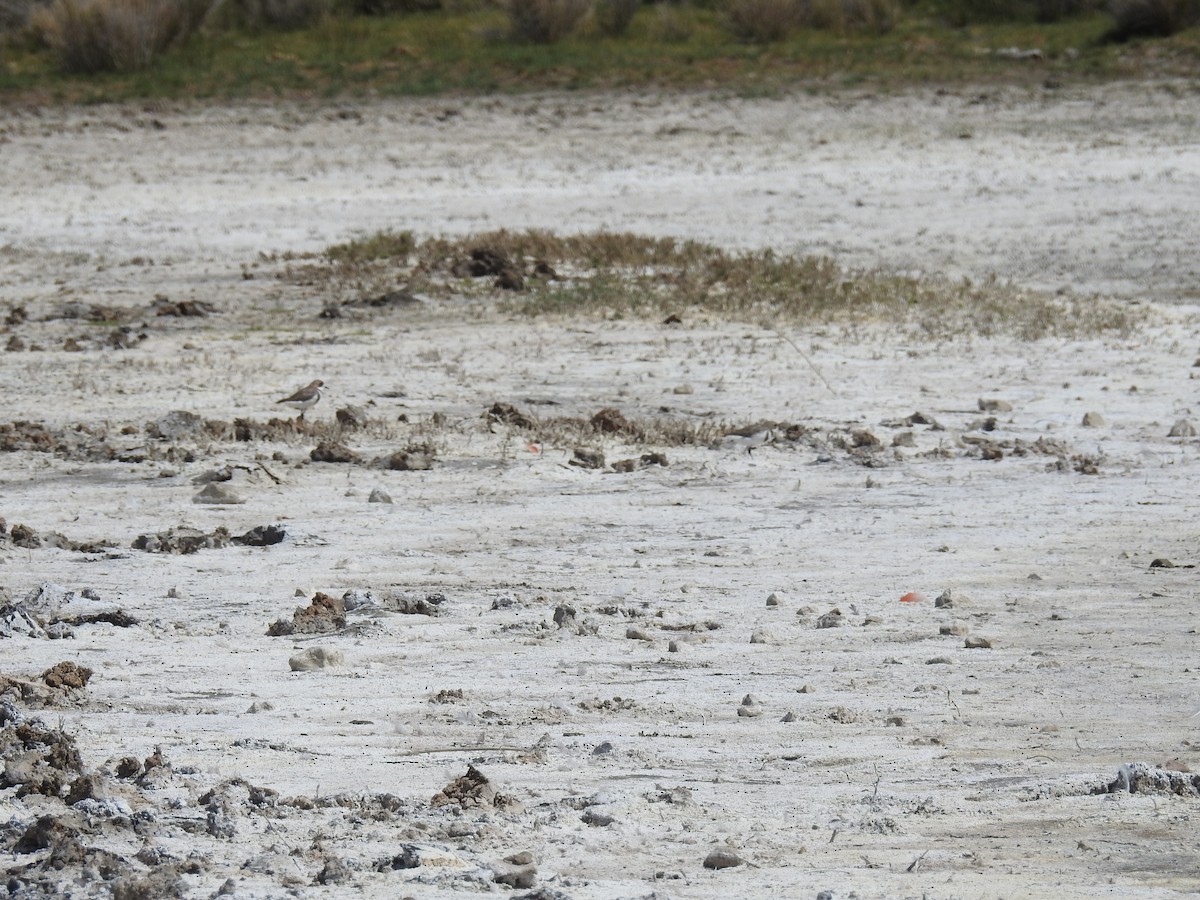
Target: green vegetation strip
[667, 47]
[610, 275]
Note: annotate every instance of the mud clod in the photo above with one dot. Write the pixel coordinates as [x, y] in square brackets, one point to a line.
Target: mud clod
[67, 675]
[183, 540]
[323, 615]
[473, 791]
[507, 414]
[333, 452]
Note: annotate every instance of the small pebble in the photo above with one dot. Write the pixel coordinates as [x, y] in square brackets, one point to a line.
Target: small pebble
[772, 599]
[602, 748]
[977, 643]
[1093, 420]
[637, 634]
[939, 661]
[788, 717]
[945, 600]
[957, 629]
[673, 647]
[761, 636]
[1182, 428]
[379, 495]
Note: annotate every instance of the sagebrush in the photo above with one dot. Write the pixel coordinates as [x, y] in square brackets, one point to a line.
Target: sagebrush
[545, 21]
[89, 36]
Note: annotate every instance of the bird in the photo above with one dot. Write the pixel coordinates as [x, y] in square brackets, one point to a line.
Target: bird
[750, 437]
[305, 398]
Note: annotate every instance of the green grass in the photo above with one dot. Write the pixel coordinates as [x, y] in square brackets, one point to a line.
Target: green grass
[607, 275]
[444, 53]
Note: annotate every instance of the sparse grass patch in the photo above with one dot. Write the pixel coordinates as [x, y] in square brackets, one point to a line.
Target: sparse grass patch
[389, 245]
[609, 275]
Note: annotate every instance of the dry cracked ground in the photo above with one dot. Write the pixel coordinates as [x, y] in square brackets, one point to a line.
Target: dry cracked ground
[510, 611]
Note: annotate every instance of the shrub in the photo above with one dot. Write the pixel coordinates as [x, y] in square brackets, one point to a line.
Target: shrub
[1152, 18]
[875, 16]
[1056, 10]
[761, 21]
[672, 25]
[277, 14]
[114, 35]
[613, 17]
[15, 13]
[545, 21]
[389, 7]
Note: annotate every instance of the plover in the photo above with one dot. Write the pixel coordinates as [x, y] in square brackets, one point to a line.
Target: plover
[305, 398]
[750, 436]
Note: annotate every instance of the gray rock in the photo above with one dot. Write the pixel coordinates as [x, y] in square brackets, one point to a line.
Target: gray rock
[15, 620]
[750, 708]
[176, 426]
[992, 404]
[1093, 420]
[215, 494]
[831, 619]
[315, 658]
[48, 600]
[596, 819]
[761, 636]
[722, 858]
[379, 495]
[514, 876]
[357, 599]
[586, 458]
[603, 748]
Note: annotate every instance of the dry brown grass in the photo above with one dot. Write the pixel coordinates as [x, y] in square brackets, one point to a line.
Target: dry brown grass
[280, 14]
[114, 35]
[545, 21]
[762, 21]
[613, 17]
